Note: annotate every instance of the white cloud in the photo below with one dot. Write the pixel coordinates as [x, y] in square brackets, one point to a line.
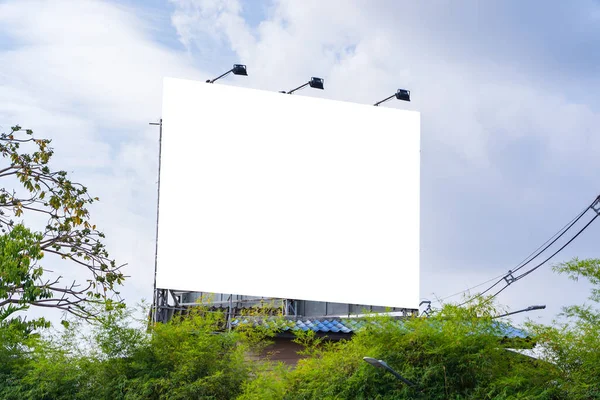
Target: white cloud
[89, 56]
[501, 145]
[88, 75]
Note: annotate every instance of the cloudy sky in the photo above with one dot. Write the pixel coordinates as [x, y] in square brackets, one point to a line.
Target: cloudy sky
[507, 90]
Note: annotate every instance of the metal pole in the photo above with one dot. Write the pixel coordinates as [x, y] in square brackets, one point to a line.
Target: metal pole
[382, 364]
[400, 377]
[530, 308]
[299, 87]
[229, 312]
[218, 77]
[384, 100]
[155, 301]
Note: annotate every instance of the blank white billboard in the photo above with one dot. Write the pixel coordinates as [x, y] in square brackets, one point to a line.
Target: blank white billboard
[287, 196]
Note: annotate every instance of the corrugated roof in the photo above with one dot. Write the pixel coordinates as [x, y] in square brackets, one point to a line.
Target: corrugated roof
[346, 325]
[511, 332]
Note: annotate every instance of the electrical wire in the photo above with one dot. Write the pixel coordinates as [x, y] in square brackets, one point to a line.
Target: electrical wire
[536, 253]
[469, 289]
[499, 291]
[523, 275]
[478, 295]
[546, 260]
[569, 226]
[540, 264]
[524, 262]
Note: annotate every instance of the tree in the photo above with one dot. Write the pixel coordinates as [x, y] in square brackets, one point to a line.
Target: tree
[33, 188]
[572, 343]
[19, 254]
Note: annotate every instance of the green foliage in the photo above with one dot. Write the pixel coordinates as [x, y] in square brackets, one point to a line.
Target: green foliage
[588, 269]
[457, 353]
[269, 383]
[19, 275]
[187, 358]
[192, 360]
[33, 188]
[15, 342]
[573, 342]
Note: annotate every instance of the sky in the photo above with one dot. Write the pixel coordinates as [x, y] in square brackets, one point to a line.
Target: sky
[507, 93]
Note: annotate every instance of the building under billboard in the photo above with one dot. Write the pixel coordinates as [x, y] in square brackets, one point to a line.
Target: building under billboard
[308, 205]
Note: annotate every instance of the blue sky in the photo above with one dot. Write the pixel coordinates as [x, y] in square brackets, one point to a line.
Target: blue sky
[507, 93]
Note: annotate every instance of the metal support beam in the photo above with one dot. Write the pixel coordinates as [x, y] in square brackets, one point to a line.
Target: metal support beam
[171, 302]
[384, 100]
[230, 312]
[298, 88]
[162, 311]
[155, 300]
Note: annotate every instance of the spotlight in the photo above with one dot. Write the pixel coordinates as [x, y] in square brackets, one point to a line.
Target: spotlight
[316, 83]
[238, 69]
[401, 94]
[383, 365]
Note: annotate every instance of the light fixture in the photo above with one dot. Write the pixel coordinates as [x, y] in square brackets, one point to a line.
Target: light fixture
[530, 308]
[316, 83]
[401, 94]
[382, 364]
[238, 69]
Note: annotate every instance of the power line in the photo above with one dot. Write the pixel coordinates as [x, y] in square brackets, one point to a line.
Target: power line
[509, 277]
[478, 295]
[525, 261]
[568, 226]
[523, 275]
[499, 291]
[469, 289]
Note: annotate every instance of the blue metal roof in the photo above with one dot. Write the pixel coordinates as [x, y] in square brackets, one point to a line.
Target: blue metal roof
[346, 325]
[512, 332]
[328, 325]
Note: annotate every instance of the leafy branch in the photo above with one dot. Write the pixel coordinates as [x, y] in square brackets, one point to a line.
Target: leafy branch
[68, 233]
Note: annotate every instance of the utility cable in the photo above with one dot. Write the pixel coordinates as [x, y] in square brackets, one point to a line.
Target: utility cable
[469, 289]
[568, 226]
[509, 278]
[523, 275]
[526, 260]
[557, 251]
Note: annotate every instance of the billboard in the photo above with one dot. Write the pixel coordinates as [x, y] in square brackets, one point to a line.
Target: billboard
[287, 196]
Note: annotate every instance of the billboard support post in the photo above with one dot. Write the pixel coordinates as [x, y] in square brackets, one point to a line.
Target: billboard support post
[155, 302]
